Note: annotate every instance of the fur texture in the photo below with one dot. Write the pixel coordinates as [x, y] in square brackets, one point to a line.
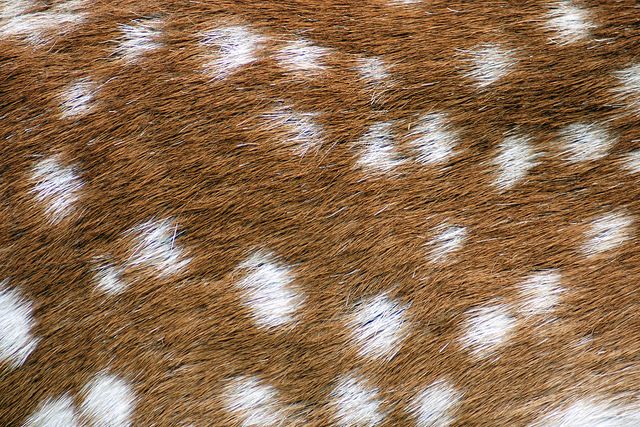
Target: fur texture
[319, 213]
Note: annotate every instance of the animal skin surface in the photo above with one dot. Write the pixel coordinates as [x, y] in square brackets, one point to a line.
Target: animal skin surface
[319, 213]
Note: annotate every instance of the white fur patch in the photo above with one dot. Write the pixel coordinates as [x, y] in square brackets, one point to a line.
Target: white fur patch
[235, 47]
[379, 153]
[607, 232]
[303, 132]
[515, 158]
[16, 323]
[489, 63]
[156, 247]
[269, 292]
[108, 278]
[254, 403]
[540, 292]
[372, 69]
[17, 19]
[449, 238]
[57, 412]
[629, 89]
[570, 22]
[56, 185]
[302, 56]
[76, 99]
[138, 38]
[356, 404]
[584, 142]
[433, 139]
[378, 327]
[631, 161]
[109, 401]
[433, 406]
[592, 413]
[486, 329]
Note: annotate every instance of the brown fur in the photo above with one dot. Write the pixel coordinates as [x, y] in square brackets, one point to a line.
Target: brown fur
[165, 140]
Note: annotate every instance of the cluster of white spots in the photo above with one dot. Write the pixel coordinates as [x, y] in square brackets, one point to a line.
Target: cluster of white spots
[631, 162]
[569, 22]
[108, 278]
[489, 63]
[235, 47]
[433, 139]
[254, 402]
[138, 38]
[584, 142]
[76, 99]
[58, 412]
[156, 247]
[592, 412]
[16, 20]
[268, 290]
[434, 405]
[379, 153]
[108, 401]
[56, 185]
[302, 56]
[302, 130]
[356, 404]
[16, 323]
[540, 293]
[378, 327]
[515, 158]
[629, 88]
[607, 231]
[448, 239]
[487, 328]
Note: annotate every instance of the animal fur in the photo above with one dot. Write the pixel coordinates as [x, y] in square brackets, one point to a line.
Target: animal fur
[319, 213]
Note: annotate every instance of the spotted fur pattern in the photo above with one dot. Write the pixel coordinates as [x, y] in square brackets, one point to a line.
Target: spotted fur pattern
[319, 213]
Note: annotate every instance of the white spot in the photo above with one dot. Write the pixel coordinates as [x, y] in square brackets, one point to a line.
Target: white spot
[77, 97]
[54, 413]
[515, 158]
[56, 185]
[302, 55]
[433, 406]
[108, 401]
[540, 292]
[108, 278]
[356, 404]
[16, 21]
[156, 247]
[570, 22]
[16, 323]
[631, 162]
[433, 139]
[268, 291]
[379, 152]
[593, 413]
[301, 128]
[138, 38]
[489, 63]
[449, 239]
[486, 329]
[607, 232]
[255, 403]
[372, 70]
[629, 89]
[236, 46]
[584, 142]
[378, 326]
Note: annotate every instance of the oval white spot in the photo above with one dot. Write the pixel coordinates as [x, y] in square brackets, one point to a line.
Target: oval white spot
[108, 401]
[607, 232]
[487, 328]
[355, 403]
[540, 292]
[569, 22]
[379, 154]
[586, 141]
[56, 185]
[489, 63]
[235, 47]
[515, 158]
[16, 323]
[434, 405]
[57, 412]
[433, 139]
[255, 403]
[448, 239]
